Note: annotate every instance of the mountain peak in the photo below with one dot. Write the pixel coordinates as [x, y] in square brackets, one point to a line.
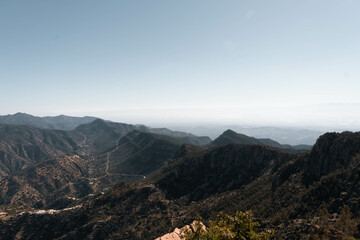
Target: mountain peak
[20, 113]
[98, 121]
[229, 132]
[97, 124]
[230, 136]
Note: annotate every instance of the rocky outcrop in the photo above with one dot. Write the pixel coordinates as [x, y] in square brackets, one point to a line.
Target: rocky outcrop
[332, 151]
[178, 234]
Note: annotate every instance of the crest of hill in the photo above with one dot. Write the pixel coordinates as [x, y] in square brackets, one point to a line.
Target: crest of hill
[183, 136]
[60, 122]
[230, 136]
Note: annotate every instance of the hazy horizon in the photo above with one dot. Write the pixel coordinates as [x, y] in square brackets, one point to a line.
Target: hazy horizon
[259, 63]
[218, 127]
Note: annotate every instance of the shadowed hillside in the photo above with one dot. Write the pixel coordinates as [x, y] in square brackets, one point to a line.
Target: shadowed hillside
[142, 153]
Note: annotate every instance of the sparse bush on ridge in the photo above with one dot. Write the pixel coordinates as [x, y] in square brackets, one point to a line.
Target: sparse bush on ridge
[226, 227]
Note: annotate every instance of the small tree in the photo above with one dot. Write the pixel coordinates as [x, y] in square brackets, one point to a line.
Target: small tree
[345, 223]
[343, 229]
[323, 229]
[226, 227]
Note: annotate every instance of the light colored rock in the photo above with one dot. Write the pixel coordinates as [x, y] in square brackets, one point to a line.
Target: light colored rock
[50, 211]
[178, 234]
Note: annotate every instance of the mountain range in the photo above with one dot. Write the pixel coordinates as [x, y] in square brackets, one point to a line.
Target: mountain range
[284, 190]
[103, 153]
[283, 135]
[107, 180]
[60, 122]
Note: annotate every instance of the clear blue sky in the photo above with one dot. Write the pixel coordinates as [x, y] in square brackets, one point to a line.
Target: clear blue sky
[261, 62]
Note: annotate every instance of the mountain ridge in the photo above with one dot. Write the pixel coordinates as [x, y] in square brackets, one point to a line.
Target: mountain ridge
[230, 136]
[60, 122]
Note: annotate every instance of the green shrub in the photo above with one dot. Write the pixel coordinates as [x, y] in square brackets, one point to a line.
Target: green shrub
[226, 227]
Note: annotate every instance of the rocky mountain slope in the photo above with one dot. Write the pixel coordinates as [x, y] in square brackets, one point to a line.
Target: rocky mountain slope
[55, 181]
[22, 146]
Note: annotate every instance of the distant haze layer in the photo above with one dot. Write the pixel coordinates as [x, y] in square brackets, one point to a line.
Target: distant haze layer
[327, 117]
